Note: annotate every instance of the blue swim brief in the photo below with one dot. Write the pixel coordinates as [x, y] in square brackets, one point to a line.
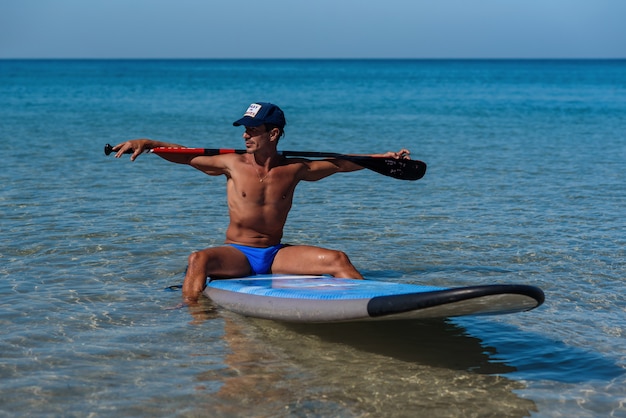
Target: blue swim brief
[260, 259]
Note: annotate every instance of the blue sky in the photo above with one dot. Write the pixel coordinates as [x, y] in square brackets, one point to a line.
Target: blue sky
[312, 29]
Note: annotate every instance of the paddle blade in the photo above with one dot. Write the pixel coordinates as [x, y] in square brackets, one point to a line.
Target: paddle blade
[396, 168]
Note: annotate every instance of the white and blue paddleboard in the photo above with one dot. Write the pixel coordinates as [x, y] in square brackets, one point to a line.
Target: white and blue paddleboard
[328, 299]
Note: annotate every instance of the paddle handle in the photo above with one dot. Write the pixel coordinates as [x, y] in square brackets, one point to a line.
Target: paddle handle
[108, 149]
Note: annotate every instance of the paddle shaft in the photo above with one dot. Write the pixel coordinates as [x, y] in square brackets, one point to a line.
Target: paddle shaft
[402, 169]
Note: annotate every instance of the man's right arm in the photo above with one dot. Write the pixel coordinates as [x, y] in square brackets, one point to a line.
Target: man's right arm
[211, 165]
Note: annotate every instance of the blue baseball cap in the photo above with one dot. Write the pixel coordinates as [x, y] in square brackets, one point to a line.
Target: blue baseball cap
[261, 113]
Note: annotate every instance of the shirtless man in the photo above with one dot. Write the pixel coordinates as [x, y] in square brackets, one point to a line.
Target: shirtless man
[260, 188]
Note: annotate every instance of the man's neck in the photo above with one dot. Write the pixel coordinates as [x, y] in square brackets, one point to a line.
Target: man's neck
[266, 158]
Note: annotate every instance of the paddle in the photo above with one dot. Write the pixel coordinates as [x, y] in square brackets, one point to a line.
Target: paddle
[387, 166]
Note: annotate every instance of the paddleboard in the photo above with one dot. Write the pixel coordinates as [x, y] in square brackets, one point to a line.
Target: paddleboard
[328, 299]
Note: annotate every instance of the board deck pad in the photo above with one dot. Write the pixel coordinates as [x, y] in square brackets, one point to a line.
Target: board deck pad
[327, 299]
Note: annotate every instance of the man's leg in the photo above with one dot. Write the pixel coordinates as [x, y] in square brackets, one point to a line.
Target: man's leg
[218, 262]
[305, 259]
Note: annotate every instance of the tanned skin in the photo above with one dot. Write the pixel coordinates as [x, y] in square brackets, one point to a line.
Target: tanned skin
[260, 188]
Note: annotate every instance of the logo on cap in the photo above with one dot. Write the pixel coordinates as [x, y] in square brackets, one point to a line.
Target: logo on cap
[253, 110]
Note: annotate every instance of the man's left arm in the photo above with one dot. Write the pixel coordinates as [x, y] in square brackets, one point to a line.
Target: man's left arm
[319, 169]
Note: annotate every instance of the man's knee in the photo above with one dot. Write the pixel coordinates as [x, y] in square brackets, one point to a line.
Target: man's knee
[195, 258]
[343, 267]
[200, 260]
[340, 258]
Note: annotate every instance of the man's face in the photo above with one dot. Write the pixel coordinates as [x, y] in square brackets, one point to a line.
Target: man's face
[256, 137]
[254, 131]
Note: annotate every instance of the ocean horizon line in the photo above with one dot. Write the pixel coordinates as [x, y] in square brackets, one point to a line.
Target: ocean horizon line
[308, 59]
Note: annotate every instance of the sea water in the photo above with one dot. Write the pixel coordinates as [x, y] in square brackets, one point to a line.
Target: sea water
[526, 184]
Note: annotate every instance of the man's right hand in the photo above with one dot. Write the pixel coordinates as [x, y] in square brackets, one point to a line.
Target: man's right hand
[138, 146]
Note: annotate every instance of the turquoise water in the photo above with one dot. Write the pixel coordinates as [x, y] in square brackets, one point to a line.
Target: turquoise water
[526, 184]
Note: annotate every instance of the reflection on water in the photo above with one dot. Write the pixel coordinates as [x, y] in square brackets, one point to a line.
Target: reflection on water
[453, 367]
[436, 343]
[535, 357]
[360, 369]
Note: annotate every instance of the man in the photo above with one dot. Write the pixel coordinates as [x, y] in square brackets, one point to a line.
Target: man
[260, 188]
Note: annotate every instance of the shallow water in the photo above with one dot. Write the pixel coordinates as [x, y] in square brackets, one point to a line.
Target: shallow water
[525, 184]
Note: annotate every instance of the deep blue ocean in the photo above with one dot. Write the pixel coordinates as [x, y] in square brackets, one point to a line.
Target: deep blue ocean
[526, 184]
